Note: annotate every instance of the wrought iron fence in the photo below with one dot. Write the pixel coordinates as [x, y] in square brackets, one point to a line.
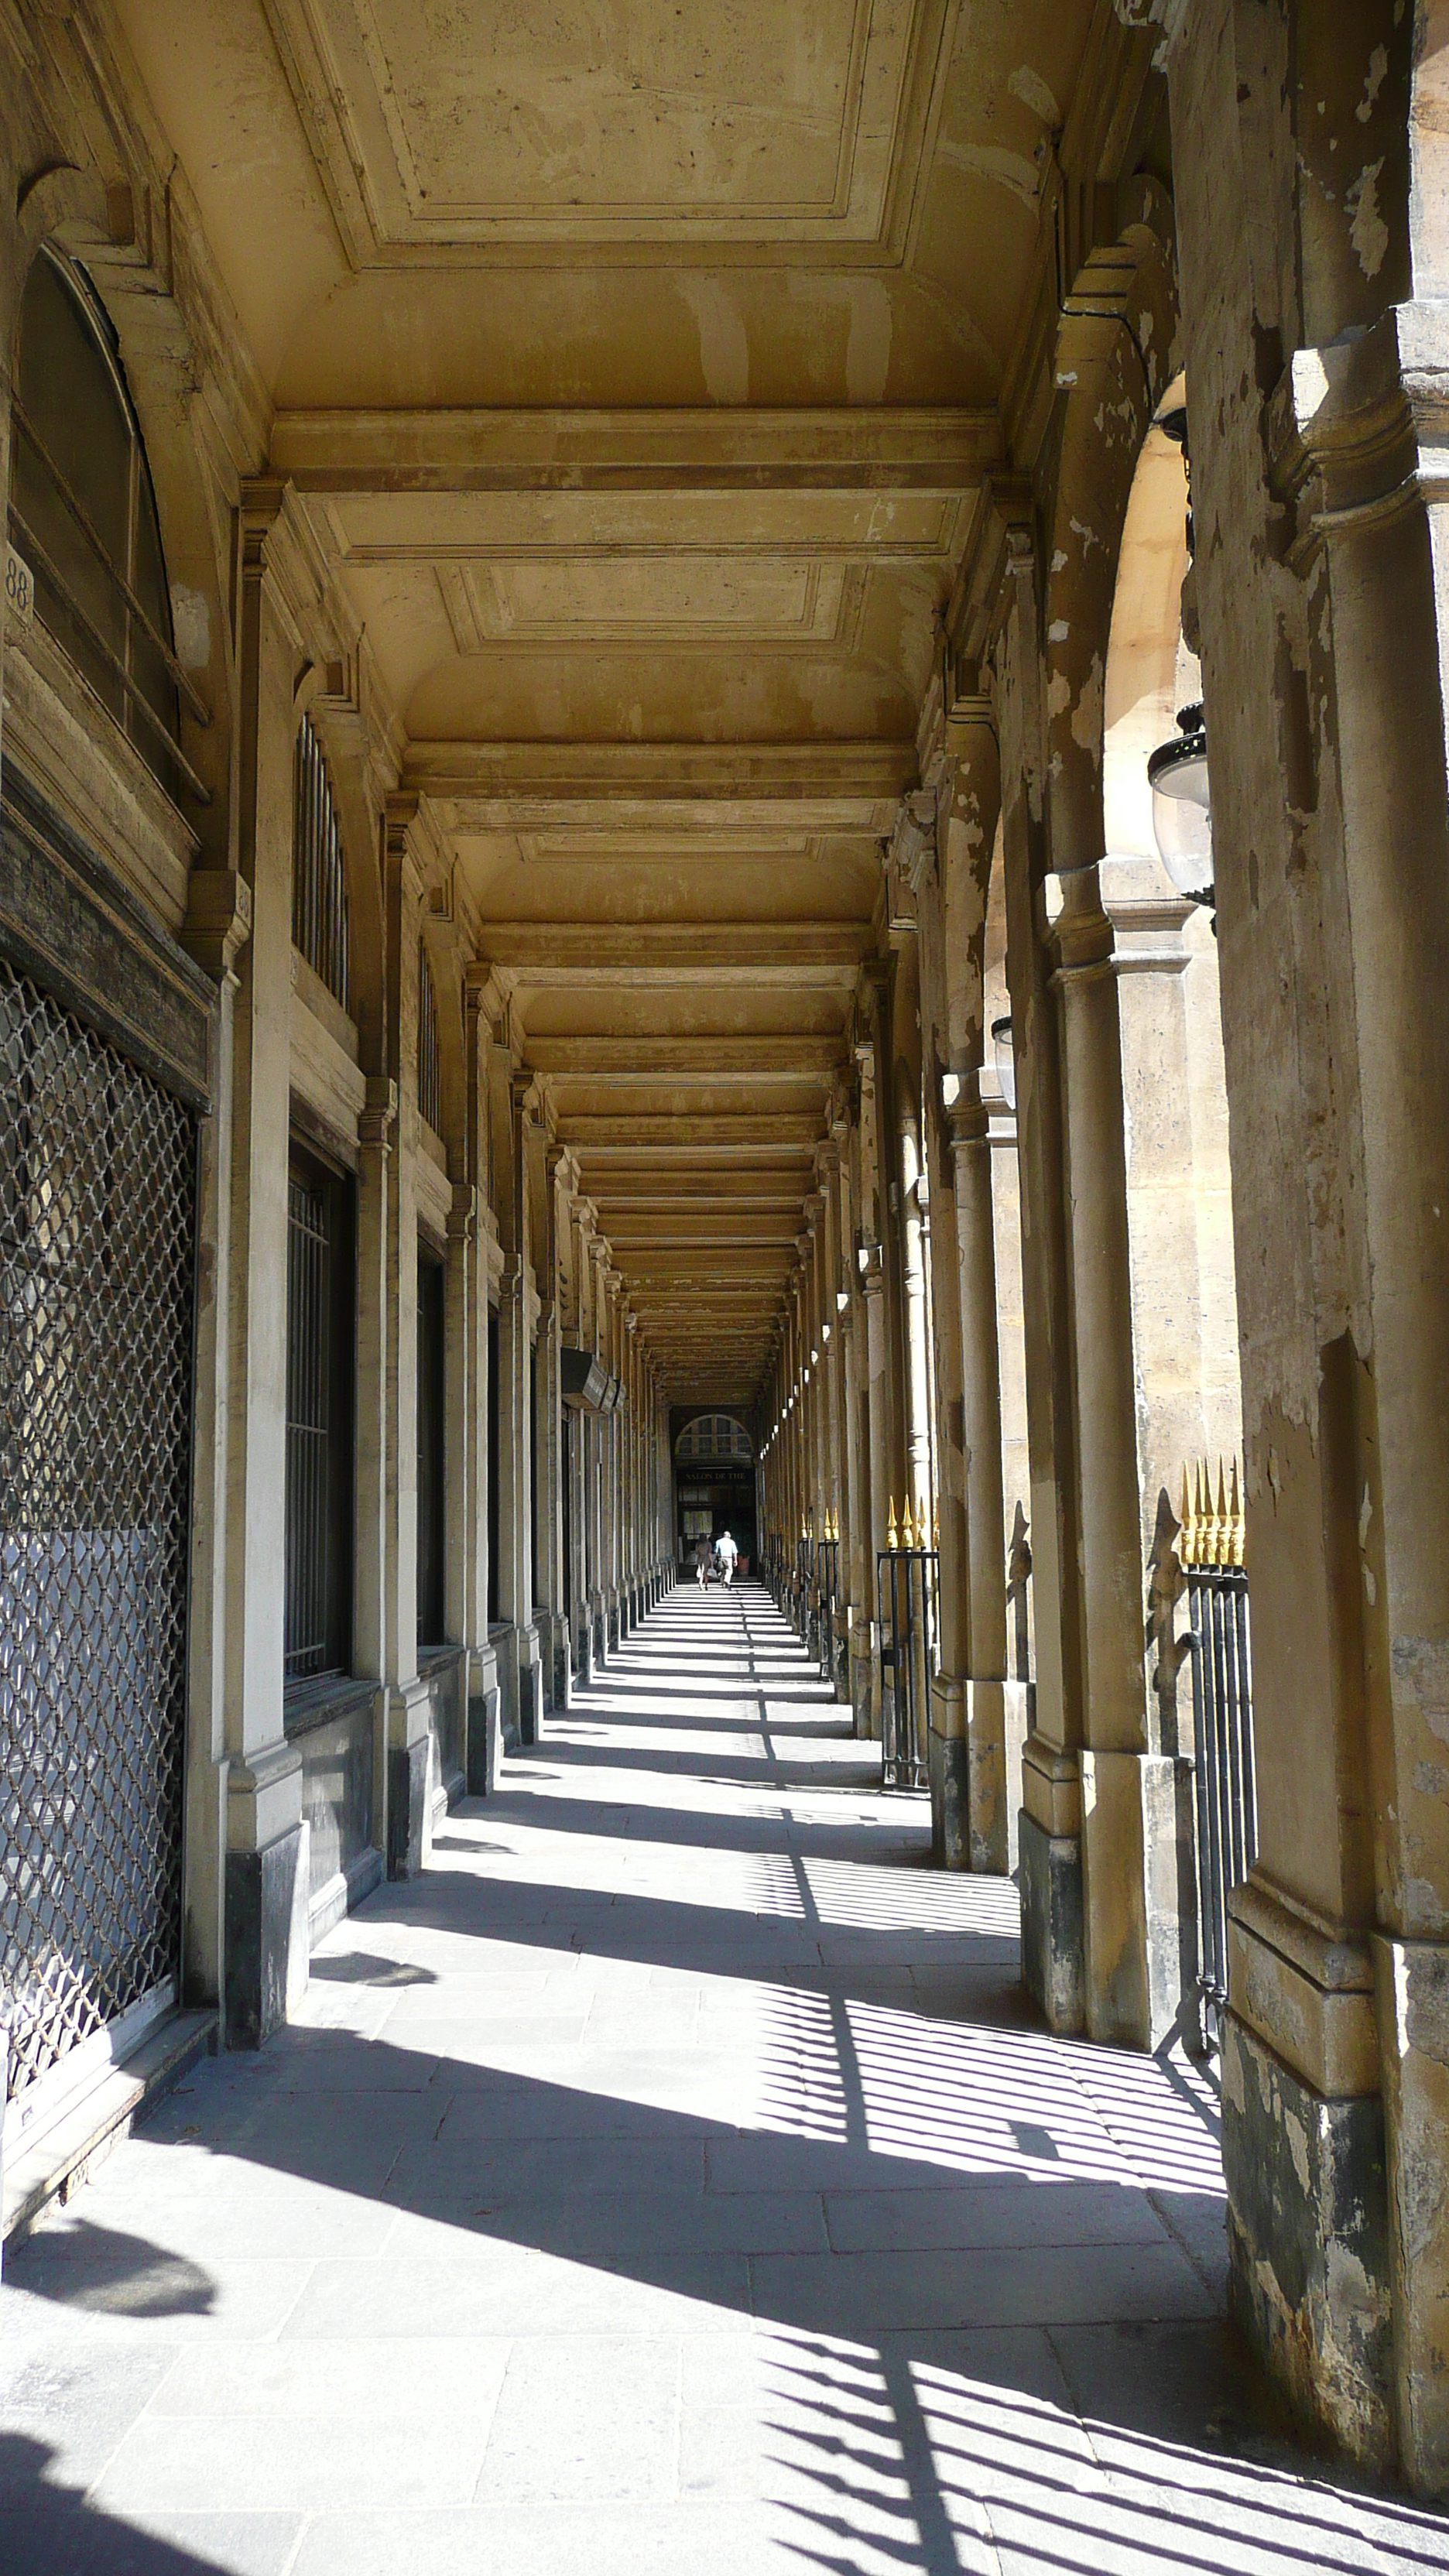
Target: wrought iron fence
[827, 1587]
[906, 1580]
[97, 1232]
[1210, 1551]
[800, 1586]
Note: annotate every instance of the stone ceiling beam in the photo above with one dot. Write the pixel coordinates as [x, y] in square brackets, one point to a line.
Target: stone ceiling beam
[761, 1058]
[622, 787]
[604, 1139]
[569, 954]
[876, 447]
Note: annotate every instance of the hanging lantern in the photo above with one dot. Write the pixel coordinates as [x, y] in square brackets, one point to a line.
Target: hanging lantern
[1177, 773]
[1003, 1042]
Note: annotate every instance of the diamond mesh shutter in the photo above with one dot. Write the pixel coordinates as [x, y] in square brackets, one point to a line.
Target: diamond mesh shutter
[97, 1223]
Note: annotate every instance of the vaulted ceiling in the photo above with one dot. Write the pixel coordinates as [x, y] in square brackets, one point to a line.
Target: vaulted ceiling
[639, 363]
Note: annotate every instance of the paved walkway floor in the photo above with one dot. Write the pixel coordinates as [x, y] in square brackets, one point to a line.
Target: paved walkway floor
[671, 2182]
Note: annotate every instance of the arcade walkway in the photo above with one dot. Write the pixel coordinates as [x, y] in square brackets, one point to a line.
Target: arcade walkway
[668, 2183]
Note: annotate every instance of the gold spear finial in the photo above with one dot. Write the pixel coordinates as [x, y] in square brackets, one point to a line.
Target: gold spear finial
[892, 1535]
[1184, 1535]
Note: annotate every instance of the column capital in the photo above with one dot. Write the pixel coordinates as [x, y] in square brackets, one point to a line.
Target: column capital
[379, 1112]
[1076, 931]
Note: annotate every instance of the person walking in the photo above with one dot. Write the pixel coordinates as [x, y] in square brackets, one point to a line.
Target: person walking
[727, 1552]
[701, 1562]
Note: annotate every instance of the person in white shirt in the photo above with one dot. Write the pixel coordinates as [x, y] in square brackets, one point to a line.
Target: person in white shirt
[727, 1552]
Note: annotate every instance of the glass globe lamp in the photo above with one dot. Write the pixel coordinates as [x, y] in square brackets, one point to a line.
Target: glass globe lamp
[1177, 772]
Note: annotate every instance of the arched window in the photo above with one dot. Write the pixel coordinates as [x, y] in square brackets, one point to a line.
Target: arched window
[83, 514]
[319, 873]
[712, 1438]
[430, 1071]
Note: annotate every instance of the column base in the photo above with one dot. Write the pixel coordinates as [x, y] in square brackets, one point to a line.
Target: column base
[1051, 1922]
[984, 1729]
[1412, 1979]
[481, 1765]
[560, 1694]
[862, 1682]
[949, 1757]
[409, 1807]
[1019, 1714]
[1139, 1896]
[1308, 2243]
[530, 1688]
[266, 1936]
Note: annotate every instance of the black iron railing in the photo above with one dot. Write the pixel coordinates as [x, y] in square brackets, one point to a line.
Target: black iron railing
[1210, 1551]
[906, 1580]
[827, 1587]
[801, 1585]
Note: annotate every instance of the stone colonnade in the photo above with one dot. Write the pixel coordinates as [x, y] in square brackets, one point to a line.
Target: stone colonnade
[1316, 1085]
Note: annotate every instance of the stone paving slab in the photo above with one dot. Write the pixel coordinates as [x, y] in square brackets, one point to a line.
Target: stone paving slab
[672, 2181]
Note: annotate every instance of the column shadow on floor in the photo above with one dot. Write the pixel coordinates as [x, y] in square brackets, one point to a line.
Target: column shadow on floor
[1050, 2385]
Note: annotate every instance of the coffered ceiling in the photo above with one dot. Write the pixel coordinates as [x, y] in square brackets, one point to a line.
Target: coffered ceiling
[638, 363]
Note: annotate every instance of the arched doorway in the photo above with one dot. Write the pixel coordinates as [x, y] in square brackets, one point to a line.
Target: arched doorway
[714, 1484]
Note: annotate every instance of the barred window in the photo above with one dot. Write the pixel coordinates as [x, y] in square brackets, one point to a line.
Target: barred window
[319, 874]
[83, 516]
[430, 1077]
[713, 1436]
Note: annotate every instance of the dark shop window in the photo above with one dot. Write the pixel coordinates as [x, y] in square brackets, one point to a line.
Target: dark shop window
[321, 1360]
[492, 1470]
[432, 1622]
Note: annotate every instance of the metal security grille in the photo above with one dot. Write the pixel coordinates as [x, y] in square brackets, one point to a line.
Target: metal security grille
[97, 1225]
[430, 1071]
[319, 875]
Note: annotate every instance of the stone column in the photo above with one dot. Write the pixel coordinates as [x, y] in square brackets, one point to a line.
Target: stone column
[1317, 495]
[970, 1150]
[857, 1440]
[1019, 1688]
[394, 1278]
[835, 1495]
[265, 1951]
[484, 1694]
[947, 1746]
[907, 1175]
[515, 1573]
[1132, 1910]
[613, 1482]
[1050, 1822]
